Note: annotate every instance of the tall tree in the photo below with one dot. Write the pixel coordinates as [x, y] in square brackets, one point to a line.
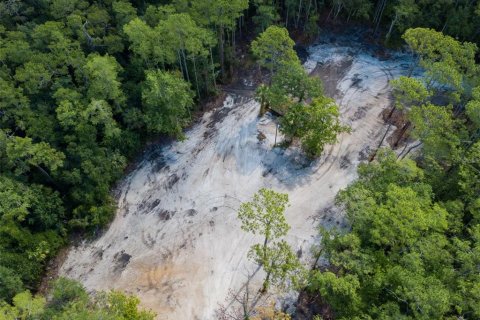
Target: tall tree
[396, 261]
[265, 215]
[449, 64]
[315, 125]
[274, 47]
[221, 15]
[167, 100]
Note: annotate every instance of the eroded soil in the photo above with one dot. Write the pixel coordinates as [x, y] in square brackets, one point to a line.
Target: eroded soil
[176, 242]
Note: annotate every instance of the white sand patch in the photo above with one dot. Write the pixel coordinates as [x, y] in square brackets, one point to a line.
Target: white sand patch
[176, 242]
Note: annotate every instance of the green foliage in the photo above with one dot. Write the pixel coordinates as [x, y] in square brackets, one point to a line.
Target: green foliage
[221, 13]
[290, 84]
[340, 292]
[83, 85]
[10, 283]
[266, 14]
[102, 74]
[167, 99]
[21, 154]
[81, 89]
[473, 108]
[438, 130]
[27, 306]
[65, 291]
[315, 125]
[273, 48]
[265, 215]
[449, 64]
[294, 82]
[469, 173]
[30, 232]
[278, 261]
[142, 39]
[409, 92]
[450, 78]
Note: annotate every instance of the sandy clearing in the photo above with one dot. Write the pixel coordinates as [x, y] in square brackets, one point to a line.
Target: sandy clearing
[176, 242]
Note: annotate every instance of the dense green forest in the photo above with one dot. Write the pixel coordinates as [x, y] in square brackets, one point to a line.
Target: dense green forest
[69, 300]
[84, 84]
[413, 247]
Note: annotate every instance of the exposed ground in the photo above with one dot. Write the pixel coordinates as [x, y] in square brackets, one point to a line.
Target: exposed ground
[176, 242]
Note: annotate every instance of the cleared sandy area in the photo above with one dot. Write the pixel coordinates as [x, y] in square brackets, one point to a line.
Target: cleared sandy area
[176, 242]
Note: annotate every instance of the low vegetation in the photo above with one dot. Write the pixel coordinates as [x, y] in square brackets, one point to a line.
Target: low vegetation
[68, 300]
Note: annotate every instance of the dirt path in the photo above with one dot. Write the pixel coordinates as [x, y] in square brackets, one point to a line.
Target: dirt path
[176, 242]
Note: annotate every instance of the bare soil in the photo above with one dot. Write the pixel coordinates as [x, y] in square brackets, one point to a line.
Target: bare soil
[176, 242]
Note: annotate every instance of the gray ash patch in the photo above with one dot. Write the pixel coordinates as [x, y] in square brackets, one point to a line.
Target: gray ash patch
[217, 116]
[154, 204]
[331, 74]
[191, 212]
[267, 172]
[172, 180]
[359, 114]
[165, 215]
[302, 52]
[120, 260]
[148, 240]
[324, 214]
[99, 254]
[208, 133]
[345, 162]
[356, 81]
[365, 153]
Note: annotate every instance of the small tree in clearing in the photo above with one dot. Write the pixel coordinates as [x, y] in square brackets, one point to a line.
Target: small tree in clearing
[315, 125]
[278, 261]
[265, 215]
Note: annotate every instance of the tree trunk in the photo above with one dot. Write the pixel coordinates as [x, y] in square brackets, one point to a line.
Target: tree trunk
[47, 175]
[317, 258]
[180, 63]
[379, 14]
[221, 51]
[264, 249]
[196, 78]
[410, 149]
[276, 132]
[372, 157]
[389, 33]
[299, 13]
[391, 112]
[413, 66]
[233, 41]
[186, 66]
[349, 16]
[240, 26]
[339, 9]
[286, 19]
[266, 282]
[307, 15]
[402, 133]
[213, 69]
[329, 14]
